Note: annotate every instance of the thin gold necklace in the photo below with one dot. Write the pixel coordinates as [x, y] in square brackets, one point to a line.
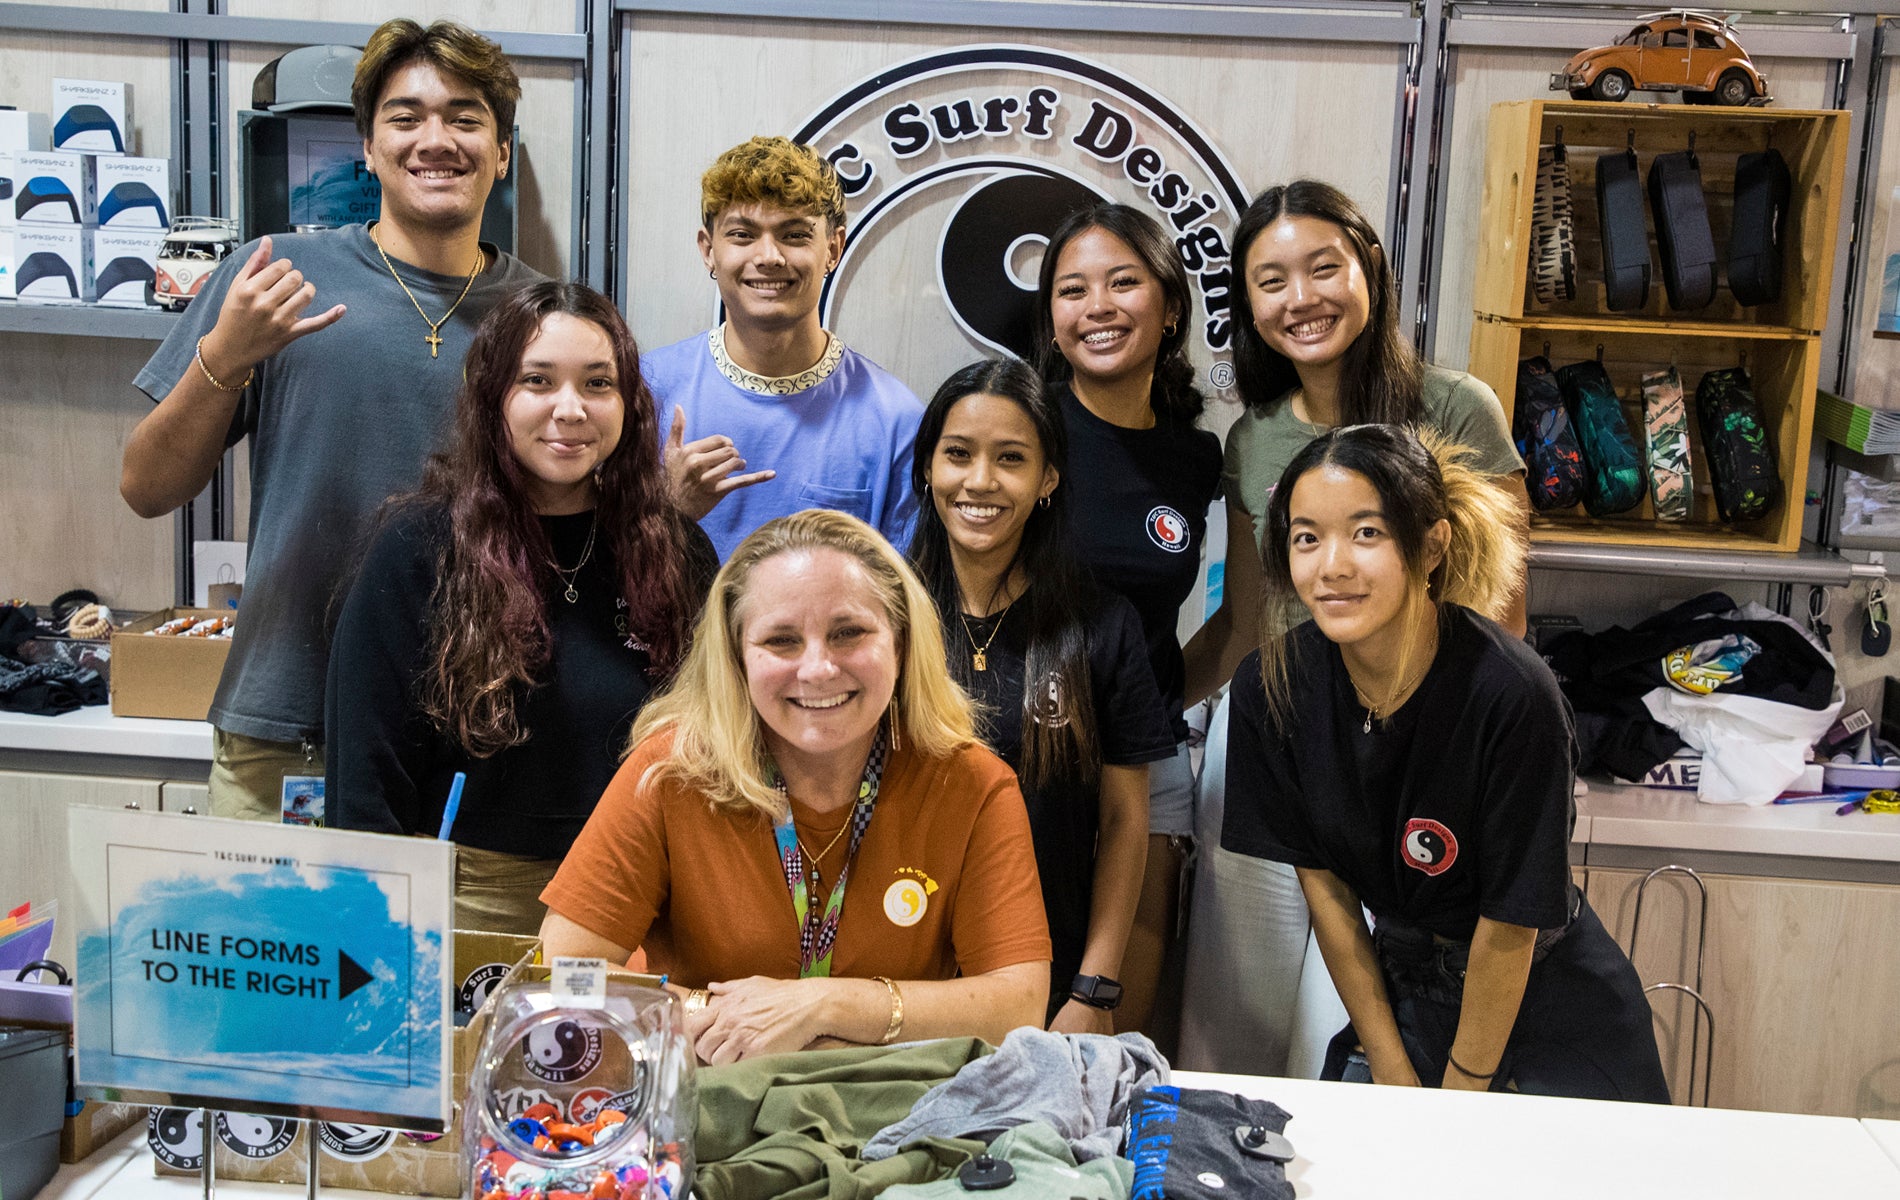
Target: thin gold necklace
[979, 655]
[568, 576]
[1373, 710]
[829, 846]
[435, 338]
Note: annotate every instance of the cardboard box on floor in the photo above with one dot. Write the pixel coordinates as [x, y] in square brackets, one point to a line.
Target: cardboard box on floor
[363, 1158]
[172, 677]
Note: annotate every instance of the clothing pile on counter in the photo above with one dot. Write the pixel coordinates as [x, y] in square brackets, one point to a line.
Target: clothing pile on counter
[1745, 686]
[1070, 1115]
[41, 689]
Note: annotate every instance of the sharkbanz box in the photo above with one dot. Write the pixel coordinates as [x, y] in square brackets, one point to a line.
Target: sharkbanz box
[134, 193]
[90, 115]
[52, 264]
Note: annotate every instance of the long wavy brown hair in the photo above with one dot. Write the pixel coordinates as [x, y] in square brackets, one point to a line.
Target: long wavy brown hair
[488, 629]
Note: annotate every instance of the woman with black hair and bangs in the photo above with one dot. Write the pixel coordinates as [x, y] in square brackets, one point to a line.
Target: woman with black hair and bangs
[1059, 666]
[1405, 754]
[512, 616]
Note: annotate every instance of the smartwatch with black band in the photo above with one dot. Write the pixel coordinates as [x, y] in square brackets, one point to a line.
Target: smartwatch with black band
[1096, 991]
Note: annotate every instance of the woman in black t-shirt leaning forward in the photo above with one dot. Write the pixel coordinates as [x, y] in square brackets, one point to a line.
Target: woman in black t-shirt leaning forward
[1403, 752]
[1113, 313]
[1058, 666]
[512, 616]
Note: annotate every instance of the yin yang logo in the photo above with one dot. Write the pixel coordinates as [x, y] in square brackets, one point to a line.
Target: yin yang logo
[255, 1137]
[177, 1137]
[477, 986]
[992, 250]
[561, 1051]
[1428, 846]
[1168, 529]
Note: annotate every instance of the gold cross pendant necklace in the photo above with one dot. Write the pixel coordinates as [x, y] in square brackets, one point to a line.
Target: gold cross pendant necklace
[435, 338]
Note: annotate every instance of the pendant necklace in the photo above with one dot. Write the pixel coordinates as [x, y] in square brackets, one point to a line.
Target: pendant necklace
[435, 338]
[572, 594]
[829, 846]
[979, 655]
[1373, 710]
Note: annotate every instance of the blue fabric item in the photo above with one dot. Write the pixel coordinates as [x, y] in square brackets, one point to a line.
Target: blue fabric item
[1613, 472]
[841, 442]
[1183, 1144]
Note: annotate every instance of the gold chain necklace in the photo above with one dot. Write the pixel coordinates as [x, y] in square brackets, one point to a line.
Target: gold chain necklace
[979, 655]
[435, 339]
[829, 846]
[1373, 710]
[568, 576]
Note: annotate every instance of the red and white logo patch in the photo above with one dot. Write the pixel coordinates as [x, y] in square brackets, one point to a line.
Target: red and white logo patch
[1167, 529]
[1428, 846]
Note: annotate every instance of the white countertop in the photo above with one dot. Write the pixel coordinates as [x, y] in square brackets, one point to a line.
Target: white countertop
[94, 730]
[1623, 815]
[1359, 1140]
[1887, 1133]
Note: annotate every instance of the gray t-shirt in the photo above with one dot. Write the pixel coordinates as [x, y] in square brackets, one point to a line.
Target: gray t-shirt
[339, 420]
[1260, 445]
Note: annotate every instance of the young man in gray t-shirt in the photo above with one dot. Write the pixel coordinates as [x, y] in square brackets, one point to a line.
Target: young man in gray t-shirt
[343, 397]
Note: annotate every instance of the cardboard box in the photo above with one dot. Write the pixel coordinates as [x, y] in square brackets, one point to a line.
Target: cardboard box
[134, 193]
[21, 130]
[166, 676]
[365, 1157]
[90, 115]
[52, 264]
[124, 262]
[53, 187]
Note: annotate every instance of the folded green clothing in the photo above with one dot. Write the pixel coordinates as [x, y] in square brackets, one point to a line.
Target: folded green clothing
[1044, 1167]
[794, 1125]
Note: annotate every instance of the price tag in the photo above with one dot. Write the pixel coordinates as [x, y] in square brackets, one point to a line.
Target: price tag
[579, 982]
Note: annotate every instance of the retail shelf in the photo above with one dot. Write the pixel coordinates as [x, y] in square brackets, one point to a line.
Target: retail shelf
[1809, 564]
[86, 320]
[1733, 330]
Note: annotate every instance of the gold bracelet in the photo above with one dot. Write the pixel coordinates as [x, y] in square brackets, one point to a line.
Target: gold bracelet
[896, 1026]
[199, 354]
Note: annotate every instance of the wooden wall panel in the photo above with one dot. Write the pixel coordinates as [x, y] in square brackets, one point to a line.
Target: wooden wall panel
[554, 16]
[1876, 361]
[1254, 100]
[1481, 78]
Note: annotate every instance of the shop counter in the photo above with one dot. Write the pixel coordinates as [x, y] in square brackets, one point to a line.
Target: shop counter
[1631, 826]
[1359, 1140]
[93, 733]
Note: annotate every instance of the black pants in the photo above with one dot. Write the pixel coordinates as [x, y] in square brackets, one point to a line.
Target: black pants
[1582, 1030]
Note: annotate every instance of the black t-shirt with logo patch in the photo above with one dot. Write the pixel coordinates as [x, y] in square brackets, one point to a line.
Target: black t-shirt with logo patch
[1138, 515]
[1130, 729]
[1459, 807]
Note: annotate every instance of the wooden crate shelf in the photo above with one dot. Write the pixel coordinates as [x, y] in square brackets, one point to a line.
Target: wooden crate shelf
[1778, 343]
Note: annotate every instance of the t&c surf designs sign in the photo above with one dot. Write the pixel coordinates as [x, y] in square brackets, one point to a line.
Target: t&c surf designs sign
[975, 154]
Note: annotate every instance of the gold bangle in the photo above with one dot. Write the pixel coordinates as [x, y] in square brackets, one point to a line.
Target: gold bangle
[896, 1026]
[199, 354]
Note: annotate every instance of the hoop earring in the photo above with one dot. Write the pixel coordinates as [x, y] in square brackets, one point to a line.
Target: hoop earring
[1167, 330]
[711, 274]
[1044, 502]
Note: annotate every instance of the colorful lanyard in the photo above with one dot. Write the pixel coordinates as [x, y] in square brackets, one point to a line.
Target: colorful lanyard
[818, 931]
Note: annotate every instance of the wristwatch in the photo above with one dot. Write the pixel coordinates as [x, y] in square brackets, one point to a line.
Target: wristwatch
[1096, 991]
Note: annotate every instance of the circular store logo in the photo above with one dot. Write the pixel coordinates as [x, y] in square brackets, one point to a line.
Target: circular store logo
[1167, 529]
[562, 1051]
[1429, 846]
[354, 1143]
[177, 1138]
[905, 902]
[968, 158]
[255, 1137]
[477, 986]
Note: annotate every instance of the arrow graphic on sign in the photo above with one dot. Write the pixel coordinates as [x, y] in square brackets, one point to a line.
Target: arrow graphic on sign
[350, 975]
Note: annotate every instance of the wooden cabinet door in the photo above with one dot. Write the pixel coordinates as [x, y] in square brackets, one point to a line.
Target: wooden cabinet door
[33, 851]
[1802, 977]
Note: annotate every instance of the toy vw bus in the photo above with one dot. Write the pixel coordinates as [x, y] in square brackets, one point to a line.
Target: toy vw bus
[190, 252]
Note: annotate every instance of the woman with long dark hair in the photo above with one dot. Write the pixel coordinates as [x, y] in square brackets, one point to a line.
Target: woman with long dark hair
[1058, 667]
[1112, 314]
[1405, 754]
[511, 617]
[1322, 346]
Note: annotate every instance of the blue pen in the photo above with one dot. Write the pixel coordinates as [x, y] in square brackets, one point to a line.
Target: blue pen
[455, 802]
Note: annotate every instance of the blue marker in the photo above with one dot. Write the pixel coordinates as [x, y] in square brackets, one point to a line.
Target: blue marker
[455, 802]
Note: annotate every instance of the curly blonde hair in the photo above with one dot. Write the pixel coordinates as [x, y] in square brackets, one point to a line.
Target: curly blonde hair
[775, 171]
[718, 741]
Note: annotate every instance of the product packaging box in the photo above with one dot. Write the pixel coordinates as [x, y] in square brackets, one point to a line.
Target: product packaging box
[21, 130]
[171, 677]
[367, 1157]
[54, 187]
[125, 260]
[134, 193]
[6, 263]
[52, 264]
[90, 115]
